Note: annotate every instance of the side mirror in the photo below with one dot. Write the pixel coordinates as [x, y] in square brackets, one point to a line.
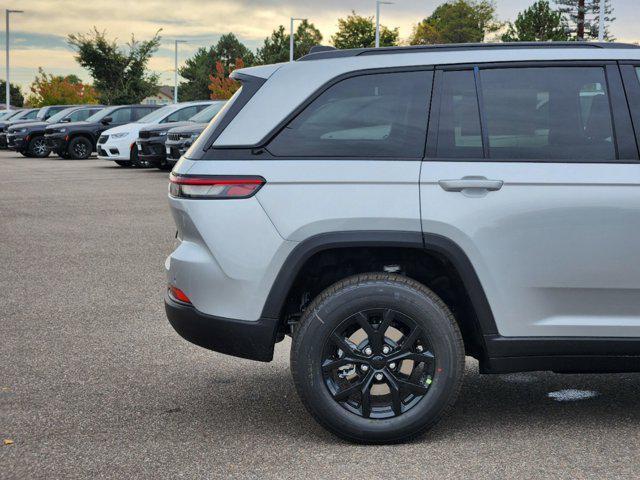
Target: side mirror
[107, 120]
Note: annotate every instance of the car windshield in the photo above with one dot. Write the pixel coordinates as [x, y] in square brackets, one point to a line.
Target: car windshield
[61, 114]
[20, 114]
[208, 113]
[157, 115]
[96, 117]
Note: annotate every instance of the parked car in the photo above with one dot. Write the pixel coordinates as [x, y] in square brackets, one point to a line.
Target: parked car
[50, 110]
[78, 140]
[26, 115]
[396, 209]
[28, 138]
[7, 114]
[119, 144]
[151, 139]
[179, 139]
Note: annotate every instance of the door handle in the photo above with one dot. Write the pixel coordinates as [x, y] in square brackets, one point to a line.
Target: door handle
[471, 183]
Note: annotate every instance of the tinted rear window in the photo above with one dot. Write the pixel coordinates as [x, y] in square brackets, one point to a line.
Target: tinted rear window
[377, 115]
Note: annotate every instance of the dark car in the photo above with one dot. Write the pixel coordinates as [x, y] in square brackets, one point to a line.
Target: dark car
[26, 115]
[179, 139]
[78, 139]
[151, 139]
[45, 113]
[28, 138]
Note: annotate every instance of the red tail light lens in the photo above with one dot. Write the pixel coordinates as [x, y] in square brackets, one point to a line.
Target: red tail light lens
[214, 186]
[178, 294]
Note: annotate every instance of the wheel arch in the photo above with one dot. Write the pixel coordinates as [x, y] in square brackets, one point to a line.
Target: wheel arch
[423, 243]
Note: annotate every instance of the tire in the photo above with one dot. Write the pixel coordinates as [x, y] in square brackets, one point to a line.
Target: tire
[430, 335]
[123, 163]
[135, 158]
[25, 154]
[37, 147]
[80, 148]
[62, 154]
[165, 166]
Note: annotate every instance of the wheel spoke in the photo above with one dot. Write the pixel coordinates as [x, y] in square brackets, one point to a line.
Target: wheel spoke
[345, 393]
[410, 339]
[396, 400]
[372, 335]
[365, 393]
[415, 356]
[342, 343]
[411, 387]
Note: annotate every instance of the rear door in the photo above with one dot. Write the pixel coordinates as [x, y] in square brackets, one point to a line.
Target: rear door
[532, 169]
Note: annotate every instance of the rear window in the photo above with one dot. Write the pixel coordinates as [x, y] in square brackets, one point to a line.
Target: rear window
[374, 115]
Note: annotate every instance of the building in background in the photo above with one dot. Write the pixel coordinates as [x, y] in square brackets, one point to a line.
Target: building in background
[163, 97]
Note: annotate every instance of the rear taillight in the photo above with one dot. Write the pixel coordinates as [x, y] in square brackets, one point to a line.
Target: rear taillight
[214, 186]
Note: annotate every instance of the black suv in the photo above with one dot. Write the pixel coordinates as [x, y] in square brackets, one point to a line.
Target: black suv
[151, 139]
[27, 115]
[28, 138]
[179, 139]
[78, 139]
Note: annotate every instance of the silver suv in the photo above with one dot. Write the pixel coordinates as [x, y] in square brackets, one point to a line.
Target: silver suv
[397, 209]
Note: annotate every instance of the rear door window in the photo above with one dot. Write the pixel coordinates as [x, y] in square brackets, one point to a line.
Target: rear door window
[375, 115]
[548, 113]
[122, 115]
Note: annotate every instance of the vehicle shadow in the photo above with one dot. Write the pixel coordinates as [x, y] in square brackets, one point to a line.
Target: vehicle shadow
[265, 401]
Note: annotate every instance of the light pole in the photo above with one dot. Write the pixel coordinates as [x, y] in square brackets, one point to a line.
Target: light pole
[7, 86]
[601, 27]
[291, 37]
[378, 3]
[175, 72]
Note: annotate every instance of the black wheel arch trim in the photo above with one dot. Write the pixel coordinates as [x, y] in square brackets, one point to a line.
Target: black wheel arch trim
[374, 238]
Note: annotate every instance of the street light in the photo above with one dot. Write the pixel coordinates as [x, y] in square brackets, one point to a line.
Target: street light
[378, 3]
[7, 86]
[291, 38]
[601, 27]
[175, 72]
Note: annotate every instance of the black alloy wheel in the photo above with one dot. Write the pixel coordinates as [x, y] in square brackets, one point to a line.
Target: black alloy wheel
[38, 148]
[377, 358]
[370, 373]
[80, 148]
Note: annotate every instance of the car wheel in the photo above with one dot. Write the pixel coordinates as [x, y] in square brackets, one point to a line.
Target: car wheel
[24, 153]
[80, 148]
[377, 358]
[135, 158]
[164, 166]
[38, 148]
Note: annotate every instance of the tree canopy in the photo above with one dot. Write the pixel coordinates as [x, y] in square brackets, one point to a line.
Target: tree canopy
[357, 31]
[120, 76]
[457, 21]
[15, 95]
[538, 23]
[49, 89]
[584, 17]
[198, 69]
[275, 48]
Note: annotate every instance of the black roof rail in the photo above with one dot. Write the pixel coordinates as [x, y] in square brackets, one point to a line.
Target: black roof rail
[321, 52]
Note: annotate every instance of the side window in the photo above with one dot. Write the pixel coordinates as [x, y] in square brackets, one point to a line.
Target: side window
[121, 115]
[548, 113]
[140, 112]
[80, 115]
[376, 115]
[459, 133]
[30, 115]
[182, 115]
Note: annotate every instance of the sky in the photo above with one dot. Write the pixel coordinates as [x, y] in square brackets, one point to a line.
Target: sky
[38, 36]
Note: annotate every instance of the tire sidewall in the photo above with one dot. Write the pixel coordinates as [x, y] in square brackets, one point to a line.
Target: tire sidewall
[439, 330]
[74, 142]
[30, 148]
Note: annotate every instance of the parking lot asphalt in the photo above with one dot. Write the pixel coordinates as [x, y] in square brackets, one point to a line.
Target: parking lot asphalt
[95, 383]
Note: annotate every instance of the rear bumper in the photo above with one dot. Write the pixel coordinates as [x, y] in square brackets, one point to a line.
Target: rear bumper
[240, 338]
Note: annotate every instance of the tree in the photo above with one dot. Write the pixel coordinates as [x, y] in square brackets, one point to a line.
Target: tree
[275, 48]
[457, 21]
[222, 86]
[584, 17]
[15, 95]
[119, 76]
[357, 31]
[49, 89]
[538, 23]
[198, 69]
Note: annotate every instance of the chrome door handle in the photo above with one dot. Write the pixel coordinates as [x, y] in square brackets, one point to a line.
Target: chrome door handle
[471, 183]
